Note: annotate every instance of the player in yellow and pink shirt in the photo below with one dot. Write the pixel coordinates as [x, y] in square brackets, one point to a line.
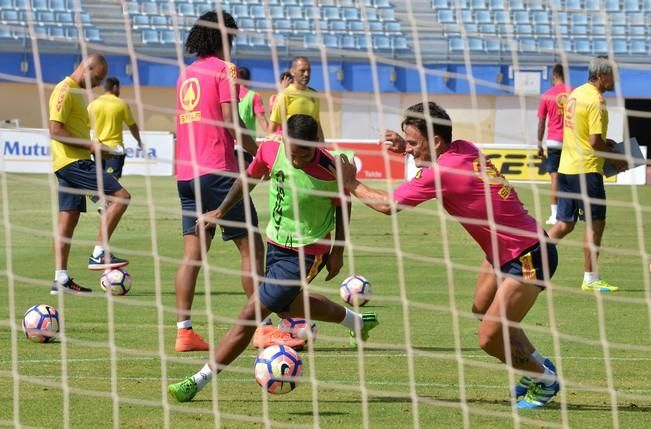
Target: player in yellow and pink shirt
[519, 260]
[550, 113]
[206, 167]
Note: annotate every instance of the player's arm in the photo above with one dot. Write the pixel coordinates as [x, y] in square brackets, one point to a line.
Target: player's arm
[335, 259]
[541, 134]
[263, 124]
[258, 111]
[275, 117]
[376, 199]
[598, 141]
[58, 132]
[248, 142]
[135, 132]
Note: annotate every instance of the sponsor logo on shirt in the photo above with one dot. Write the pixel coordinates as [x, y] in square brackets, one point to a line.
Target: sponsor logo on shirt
[189, 96]
[63, 90]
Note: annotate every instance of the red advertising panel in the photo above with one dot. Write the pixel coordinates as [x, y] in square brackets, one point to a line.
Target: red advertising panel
[372, 160]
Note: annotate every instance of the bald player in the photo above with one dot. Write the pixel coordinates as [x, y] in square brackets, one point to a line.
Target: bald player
[77, 173]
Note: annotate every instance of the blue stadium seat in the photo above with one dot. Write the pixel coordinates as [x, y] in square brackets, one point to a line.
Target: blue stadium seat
[71, 33]
[310, 41]
[40, 5]
[337, 26]
[579, 30]
[261, 24]
[56, 33]
[647, 5]
[92, 34]
[524, 29]
[64, 18]
[516, 5]
[456, 44]
[150, 37]
[620, 47]
[632, 6]
[348, 42]
[592, 5]
[545, 45]
[612, 6]
[381, 43]
[466, 16]
[540, 17]
[475, 45]
[573, 5]
[330, 41]
[505, 29]
[493, 45]
[502, 17]
[45, 17]
[361, 42]
[617, 18]
[637, 31]
[241, 41]
[58, 6]
[446, 16]
[579, 19]
[440, 4]
[478, 4]
[554, 5]
[282, 25]
[488, 29]
[85, 19]
[635, 19]
[346, 3]
[375, 26]
[257, 41]
[521, 17]
[355, 27]
[9, 17]
[638, 47]
[618, 30]
[276, 12]
[133, 8]
[382, 3]
[257, 11]
[599, 46]
[387, 14]
[280, 40]
[5, 33]
[240, 10]
[461, 4]
[293, 12]
[159, 21]
[168, 37]
[330, 12]
[399, 44]
[527, 45]
[542, 29]
[451, 29]
[140, 21]
[536, 5]
[72, 5]
[560, 18]
[392, 27]
[8, 5]
[350, 13]
[151, 8]
[246, 23]
[597, 30]
[598, 19]
[497, 4]
[483, 17]
[20, 4]
[582, 46]
[471, 27]
[301, 25]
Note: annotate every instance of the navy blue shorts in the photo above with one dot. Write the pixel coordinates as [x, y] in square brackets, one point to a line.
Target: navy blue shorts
[213, 191]
[284, 264]
[530, 265]
[553, 160]
[78, 177]
[114, 165]
[572, 208]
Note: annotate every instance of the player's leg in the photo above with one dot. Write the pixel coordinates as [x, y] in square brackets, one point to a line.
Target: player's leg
[72, 202]
[114, 166]
[594, 229]
[485, 289]
[553, 161]
[569, 204]
[188, 271]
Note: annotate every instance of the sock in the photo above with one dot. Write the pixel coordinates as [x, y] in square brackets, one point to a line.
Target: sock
[61, 276]
[590, 277]
[98, 250]
[538, 357]
[547, 378]
[554, 210]
[351, 319]
[266, 321]
[186, 324]
[203, 377]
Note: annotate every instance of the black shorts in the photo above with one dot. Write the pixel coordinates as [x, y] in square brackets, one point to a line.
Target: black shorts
[571, 208]
[285, 265]
[531, 265]
[553, 160]
[213, 190]
[78, 177]
[114, 165]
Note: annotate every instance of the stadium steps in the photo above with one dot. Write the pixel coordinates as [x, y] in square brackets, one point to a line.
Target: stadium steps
[429, 30]
[108, 18]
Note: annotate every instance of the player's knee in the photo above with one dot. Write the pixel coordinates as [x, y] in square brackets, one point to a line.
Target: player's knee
[478, 312]
[489, 340]
[122, 197]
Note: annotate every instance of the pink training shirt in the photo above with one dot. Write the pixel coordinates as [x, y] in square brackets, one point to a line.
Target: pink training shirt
[203, 145]
[263, 163]
[258, 106]
[463, 196]
[552, 106]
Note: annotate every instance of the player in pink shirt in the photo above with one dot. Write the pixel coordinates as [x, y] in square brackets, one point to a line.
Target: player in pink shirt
[551, 112]
[517, 267]
[206, 166]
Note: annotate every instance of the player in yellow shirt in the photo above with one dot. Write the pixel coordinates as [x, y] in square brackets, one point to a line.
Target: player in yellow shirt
[581, 168]
[77, 174]
[297, 98]
[107, 114]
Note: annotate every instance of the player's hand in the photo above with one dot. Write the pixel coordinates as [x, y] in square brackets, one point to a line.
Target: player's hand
[334, 262]
[619, 164]
[610, 142]
[207, 221]
[541, 152]
[393, 142]
[347, 169]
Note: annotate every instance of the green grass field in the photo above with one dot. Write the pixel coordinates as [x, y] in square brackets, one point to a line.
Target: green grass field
[112, 368]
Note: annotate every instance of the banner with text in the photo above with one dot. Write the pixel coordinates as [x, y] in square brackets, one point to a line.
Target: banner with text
[28, 151]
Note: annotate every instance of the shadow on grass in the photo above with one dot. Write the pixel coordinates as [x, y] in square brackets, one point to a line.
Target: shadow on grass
[172, 293]
[371, 349]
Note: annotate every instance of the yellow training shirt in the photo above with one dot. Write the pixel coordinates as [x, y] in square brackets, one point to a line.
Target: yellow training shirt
[585, 114]
[108, 112]
[294, 101]
[68, 106]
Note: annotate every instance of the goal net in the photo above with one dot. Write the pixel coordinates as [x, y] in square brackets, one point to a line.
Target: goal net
[486, 62]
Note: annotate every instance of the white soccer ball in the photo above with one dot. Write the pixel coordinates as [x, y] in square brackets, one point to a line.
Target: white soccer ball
[297, 327]
[41, 323]
[356, 289]
[115, 281]
[277, 369]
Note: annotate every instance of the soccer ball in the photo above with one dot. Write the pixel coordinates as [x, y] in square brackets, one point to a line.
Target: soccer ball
[297, 328]
[116, 281]
[356, 289]
[41, 323]
[277, 368]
